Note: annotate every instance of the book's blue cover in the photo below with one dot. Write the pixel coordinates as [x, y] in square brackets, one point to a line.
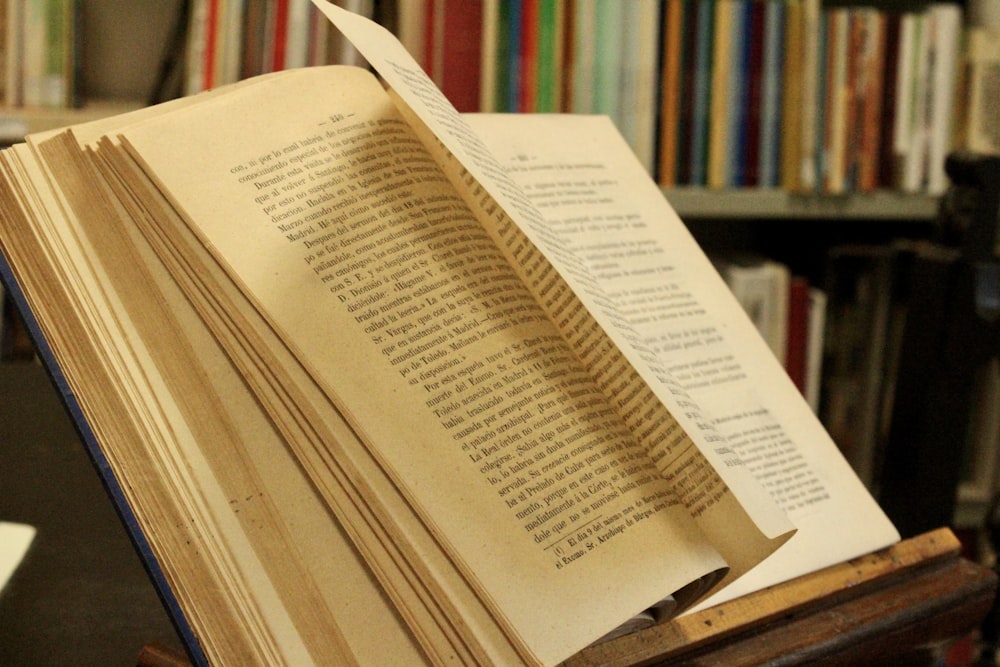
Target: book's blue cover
[111, 483]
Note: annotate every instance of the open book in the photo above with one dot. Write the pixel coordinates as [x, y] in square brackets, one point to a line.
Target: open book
[376, 383]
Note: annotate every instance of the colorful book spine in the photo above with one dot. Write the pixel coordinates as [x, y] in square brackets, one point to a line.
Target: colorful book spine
[750, 148]
[738, 95]
[583, 55]
[527, 61]
[461, 45]
[548, 71]
[671, 96]
[702, 92]
[608, 34]
[719, 125]
[771, 108]
[514, 35]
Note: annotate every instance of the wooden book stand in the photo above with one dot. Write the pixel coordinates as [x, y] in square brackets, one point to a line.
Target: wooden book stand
[896, 606]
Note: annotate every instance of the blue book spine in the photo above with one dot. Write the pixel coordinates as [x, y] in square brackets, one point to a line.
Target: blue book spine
[738, 93]
[513, 30]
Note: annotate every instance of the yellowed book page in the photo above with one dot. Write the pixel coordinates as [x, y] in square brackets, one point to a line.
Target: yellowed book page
[595, 196]
[417, 575]
[698, 486]
[348, 238]
[117, 419]
[224, 449]
[746, 527]
[239, 442]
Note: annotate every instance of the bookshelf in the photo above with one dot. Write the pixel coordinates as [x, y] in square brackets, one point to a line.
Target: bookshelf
[17, 122]
[124, 43]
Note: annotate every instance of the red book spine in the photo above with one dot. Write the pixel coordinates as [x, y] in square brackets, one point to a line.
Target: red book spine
[529, 55]
[755, 73]
[463, 30]
[798, 331]
[280, 33]
[211, 32]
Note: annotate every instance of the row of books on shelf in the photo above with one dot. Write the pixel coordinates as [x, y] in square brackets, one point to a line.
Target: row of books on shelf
[792, 94]
[230, 40]
[743, 93]
[227, 40]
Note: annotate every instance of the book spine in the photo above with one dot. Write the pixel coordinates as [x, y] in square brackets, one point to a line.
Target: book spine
[873, 80]
[608, 57]
[489, 55]
[583, 58]
[946, 21]
[688, 92]
[462, 39]
[297, 42]
[751, 149]
[702, 92]
[515, 35]
[549, 51]
[792, 98]
[527, 61]
[671, 99]
[816, 335]
[721, 73]
[737, 95]
[771, 111]
[797, 341]
[638, 84]
[836, 100]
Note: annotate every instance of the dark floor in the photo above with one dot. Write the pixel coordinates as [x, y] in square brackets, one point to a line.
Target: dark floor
[81, 596]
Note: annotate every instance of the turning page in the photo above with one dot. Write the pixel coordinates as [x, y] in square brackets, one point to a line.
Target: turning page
[598, 199]
[626, 254]
[711, 483]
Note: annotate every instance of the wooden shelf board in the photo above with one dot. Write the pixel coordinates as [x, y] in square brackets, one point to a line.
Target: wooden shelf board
[15, 122]
[756, 203]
